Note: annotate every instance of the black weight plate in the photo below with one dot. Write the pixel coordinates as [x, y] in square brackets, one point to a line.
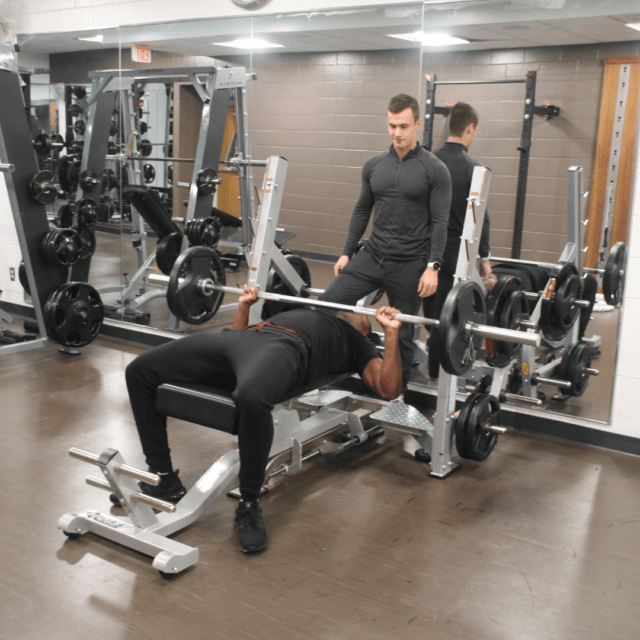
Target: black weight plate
[550, 325]
[205, 181]
[478, 443]
[564, 310]
[167, 251]
[613, 277]
[275, 284]
[145, 148]
[575, 361]
[68, 172]
[456, 347]
[460, 422]
[64, 219]
[43, 194]
[108, 180]
[185, 296]
[79, 92]
[74, 314]
[61, 247]
[515, 308]
[75, 110]
[42, 144]
[88, 240]
[149, 173]
[87, 211]
[515, 381]
[79, 127]
[499, 352]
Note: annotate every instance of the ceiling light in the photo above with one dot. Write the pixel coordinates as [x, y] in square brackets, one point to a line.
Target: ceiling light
[634, 25]
[93, 39]
[249, 43]
[430, 39]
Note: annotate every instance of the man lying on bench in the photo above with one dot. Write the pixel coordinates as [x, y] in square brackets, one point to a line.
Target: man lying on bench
[259, 365]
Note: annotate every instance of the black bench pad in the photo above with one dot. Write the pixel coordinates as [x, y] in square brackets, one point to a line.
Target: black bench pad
[215, 408]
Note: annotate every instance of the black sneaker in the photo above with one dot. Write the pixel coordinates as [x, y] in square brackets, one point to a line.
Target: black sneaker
[170, 489]
[253, 535]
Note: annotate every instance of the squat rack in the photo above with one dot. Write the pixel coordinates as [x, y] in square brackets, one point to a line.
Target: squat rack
[547, 111]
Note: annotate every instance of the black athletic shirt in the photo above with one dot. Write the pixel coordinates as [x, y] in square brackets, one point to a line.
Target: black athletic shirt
[336, 347]
[461, 165]
[410, 199]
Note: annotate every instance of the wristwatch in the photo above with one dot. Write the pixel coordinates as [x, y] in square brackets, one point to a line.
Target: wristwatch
[434, 265]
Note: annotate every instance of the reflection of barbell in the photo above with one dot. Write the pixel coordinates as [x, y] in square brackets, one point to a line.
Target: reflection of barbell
[194, 296]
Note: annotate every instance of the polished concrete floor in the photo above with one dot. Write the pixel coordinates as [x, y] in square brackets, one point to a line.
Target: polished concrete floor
[540, 541]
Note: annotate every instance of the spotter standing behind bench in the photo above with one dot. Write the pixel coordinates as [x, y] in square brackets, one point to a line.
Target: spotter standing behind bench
[259, 365]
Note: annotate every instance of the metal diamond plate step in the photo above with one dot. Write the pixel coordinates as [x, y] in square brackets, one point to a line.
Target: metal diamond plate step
[403, 417]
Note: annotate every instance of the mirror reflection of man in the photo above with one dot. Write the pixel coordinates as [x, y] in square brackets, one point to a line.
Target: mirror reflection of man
[408, 190]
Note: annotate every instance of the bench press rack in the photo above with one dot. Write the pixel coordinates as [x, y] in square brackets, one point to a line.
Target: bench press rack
[294, 442]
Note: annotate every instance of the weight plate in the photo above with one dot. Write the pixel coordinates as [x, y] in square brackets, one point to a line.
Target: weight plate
[88, 240]
[613, 277]
[203, 232]
[42, 186]
[75, 110]
[108, 180]
[61, 247]
[113, 129]
[79, 92]
[79, 127]
[205, 181]
[515, 381]
[149, 173]
[64, 219]
[478, 442]
[168, 250]
[87, 211]
[68, 172]
[554, 320]
[144, 127]
[145, 148]
[275, 284]
[460, 422]
[503, 312]
[74, 314]
[186, 296]
[456, 346]
[22, 277]
[573, 368]
[42, 144]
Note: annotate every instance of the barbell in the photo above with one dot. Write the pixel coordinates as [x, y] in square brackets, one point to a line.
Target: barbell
[195, 295]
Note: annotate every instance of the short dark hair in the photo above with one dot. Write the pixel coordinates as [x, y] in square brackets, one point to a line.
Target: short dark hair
[401, 102]
[460, 117]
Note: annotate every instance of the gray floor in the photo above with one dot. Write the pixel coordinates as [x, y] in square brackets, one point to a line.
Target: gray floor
[540, 541]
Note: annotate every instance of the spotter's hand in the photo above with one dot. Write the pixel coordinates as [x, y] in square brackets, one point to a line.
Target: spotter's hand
[428, 283]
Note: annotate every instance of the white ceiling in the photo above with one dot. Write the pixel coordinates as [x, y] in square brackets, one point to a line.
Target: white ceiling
[489, 24]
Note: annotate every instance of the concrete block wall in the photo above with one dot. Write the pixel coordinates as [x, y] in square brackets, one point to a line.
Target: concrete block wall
[326, 113]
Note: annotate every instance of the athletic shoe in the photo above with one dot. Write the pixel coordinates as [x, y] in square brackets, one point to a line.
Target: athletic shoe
[253, 535]
[170, 489]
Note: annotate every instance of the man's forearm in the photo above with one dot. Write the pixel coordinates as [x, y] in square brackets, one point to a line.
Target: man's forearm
[390, 376]
[242, 317]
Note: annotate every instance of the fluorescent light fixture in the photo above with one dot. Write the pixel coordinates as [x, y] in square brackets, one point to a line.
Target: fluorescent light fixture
[249, 43]
[93, 39]
[430, 39]
[634, 25]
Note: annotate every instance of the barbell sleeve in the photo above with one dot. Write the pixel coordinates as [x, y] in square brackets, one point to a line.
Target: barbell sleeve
[138, 496]
[124, 469]
[7, 168]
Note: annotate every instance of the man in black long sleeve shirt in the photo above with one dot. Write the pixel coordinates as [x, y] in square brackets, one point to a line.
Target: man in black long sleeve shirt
[463, 126]
[409, 192]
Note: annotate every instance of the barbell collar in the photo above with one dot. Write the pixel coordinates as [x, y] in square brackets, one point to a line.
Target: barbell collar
[7, 168]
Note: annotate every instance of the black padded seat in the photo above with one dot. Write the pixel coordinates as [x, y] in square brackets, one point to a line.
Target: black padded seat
[215, 408]
[148, 204]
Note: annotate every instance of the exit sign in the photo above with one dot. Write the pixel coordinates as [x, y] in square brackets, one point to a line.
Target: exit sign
[140, 54]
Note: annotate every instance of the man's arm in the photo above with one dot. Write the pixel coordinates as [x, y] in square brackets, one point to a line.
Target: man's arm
[439, 207]
[384, 375]
[359, 220]
[247, 299]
